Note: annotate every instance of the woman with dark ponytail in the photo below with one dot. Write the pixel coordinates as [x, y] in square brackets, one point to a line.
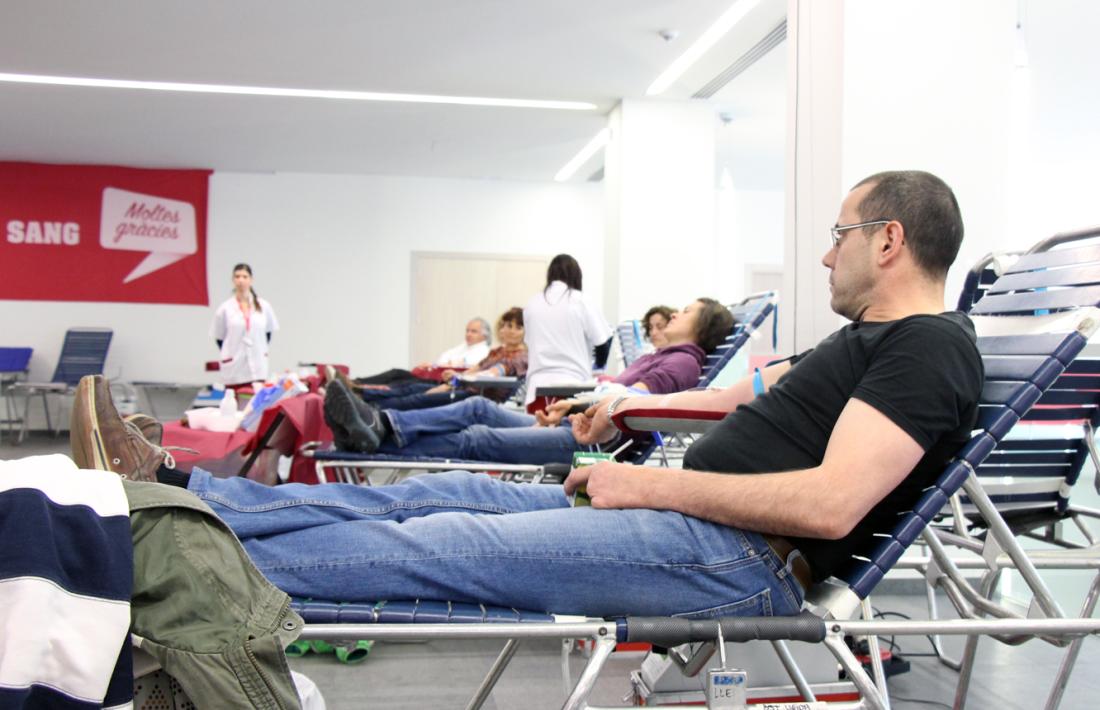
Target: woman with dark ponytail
[563, 331]
[242, 329]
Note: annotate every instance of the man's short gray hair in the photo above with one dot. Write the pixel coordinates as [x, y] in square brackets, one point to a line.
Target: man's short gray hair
[486, 329]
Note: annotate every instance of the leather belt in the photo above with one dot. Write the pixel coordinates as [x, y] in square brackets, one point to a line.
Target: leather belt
[800, 568]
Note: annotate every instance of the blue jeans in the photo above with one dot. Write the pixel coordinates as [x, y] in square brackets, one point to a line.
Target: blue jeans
[412, 396]
[424, 400]
[466, 537]
[478, 429]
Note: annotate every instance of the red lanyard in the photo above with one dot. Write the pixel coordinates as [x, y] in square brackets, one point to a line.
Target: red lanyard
[247, 313]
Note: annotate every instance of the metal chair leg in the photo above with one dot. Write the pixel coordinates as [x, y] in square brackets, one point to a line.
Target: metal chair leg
[26, 417]
[46, 408]
[1070, 658]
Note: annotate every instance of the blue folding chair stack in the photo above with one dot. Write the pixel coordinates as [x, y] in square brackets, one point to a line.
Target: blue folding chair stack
[84, 352]
[631, 341]
[1024, 356]
[14, 364]
[1023, 488]
[981, 276]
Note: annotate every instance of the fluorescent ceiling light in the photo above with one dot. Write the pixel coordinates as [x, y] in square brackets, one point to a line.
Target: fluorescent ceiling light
[598, 141]
[714, 33]
[295, 93]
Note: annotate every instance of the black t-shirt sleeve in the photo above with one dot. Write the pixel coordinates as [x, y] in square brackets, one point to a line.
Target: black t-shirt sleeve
[923, 377]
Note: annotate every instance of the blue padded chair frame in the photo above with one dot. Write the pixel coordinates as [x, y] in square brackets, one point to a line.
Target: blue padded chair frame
[83, 352]
[1024, 484]
[14, 364]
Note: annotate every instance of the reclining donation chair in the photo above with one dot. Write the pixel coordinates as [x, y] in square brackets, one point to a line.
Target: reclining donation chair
[83, 352]
[1025, 352]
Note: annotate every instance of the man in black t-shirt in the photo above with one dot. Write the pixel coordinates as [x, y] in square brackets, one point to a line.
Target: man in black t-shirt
[847, 434]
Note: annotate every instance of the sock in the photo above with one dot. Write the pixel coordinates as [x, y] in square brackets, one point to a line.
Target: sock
[172, 477]
[386, 424]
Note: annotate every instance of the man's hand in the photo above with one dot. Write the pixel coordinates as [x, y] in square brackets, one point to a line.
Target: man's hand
[610, 484]
[552, 415]
[594, 427]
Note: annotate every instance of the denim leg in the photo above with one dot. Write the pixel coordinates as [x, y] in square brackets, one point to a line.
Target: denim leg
[424, 400]
[253, 509]
[525, 445]
[481, 550]
[454, 417]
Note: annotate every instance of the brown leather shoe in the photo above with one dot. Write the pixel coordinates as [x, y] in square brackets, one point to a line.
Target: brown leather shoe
[101, 439]
[150, 428]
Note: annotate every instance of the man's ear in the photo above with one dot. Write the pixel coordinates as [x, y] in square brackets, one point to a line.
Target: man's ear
[893, 236]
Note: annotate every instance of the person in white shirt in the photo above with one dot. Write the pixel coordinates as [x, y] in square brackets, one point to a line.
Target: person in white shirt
[562, 329]
[470, 352]
[242, 328]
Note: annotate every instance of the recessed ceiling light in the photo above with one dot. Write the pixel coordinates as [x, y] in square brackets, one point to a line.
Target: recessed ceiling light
[598, 141]
[707, 40]
[295, 93]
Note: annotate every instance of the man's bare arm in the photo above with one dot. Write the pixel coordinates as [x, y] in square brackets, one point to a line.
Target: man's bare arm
[866, 458]
[596, 427]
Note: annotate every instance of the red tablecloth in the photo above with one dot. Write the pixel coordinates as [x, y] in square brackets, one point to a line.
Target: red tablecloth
[223, 453]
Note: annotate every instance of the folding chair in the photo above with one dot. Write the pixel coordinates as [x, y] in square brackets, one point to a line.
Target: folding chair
[1023, 488]
[631, 343]
[981, 276]
[1040, 360]
[14, 363]
[83, 352]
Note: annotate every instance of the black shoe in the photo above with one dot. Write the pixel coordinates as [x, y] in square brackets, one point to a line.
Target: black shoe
[356, 426]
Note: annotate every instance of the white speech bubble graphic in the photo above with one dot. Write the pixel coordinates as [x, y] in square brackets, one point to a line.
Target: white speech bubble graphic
[132, 221]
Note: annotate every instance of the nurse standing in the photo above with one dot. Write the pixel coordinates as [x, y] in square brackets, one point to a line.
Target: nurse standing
[562, 330]
[242, 328]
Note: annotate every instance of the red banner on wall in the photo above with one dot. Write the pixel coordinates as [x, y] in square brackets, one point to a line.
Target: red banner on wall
[102, 233]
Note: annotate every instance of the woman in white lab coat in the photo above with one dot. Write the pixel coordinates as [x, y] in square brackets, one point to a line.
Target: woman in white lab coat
[242, 328]
[562, 330]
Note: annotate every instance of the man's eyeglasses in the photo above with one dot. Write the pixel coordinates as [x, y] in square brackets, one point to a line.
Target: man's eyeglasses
[837, 230]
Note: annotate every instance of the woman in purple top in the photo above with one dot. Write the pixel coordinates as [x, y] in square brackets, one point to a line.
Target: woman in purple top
[480, 430]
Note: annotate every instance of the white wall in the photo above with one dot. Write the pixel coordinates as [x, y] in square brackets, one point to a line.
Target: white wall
[1055, 136]
[331, 253]
[927, 85]
[660, 204]
[750, 231]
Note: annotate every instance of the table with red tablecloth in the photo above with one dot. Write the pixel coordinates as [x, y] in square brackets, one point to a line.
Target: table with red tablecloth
[224, 453]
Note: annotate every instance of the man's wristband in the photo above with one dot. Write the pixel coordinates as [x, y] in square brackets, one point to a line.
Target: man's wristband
[614, 404]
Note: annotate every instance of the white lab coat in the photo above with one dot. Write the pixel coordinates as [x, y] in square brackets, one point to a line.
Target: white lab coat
[561, 330]
[244, 351]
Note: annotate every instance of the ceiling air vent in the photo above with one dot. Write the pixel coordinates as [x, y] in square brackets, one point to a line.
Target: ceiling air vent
[746, 60]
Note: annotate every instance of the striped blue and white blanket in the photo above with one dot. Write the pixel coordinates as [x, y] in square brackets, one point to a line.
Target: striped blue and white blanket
[66, 570]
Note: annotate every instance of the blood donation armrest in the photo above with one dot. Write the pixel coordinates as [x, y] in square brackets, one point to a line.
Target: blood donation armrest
[675, 421]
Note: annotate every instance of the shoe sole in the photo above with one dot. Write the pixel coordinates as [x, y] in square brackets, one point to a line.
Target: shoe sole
[340, 408]
[92, 449]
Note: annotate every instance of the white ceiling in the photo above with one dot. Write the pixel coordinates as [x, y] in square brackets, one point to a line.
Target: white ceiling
[582, 50]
